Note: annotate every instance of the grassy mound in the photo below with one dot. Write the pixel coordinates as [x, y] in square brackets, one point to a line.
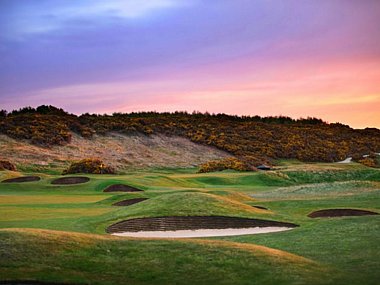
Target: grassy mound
[189, 204]
[89, 165]
[52, 256]
[223, 164]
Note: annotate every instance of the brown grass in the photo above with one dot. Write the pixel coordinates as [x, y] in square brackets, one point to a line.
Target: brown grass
[120, 151]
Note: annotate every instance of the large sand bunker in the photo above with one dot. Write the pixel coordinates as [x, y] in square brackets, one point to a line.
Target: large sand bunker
[121, 188]
[70, 180]
[202, 232]
[129, 202]
[329, 213]
[22, 179]
[195, 226]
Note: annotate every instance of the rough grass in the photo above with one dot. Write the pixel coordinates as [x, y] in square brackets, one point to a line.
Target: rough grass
[320, 190]
[66, 257]
[350, 244]
[119, 151]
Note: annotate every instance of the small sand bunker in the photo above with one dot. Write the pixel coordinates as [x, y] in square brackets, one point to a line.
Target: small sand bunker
[195, 226]
[347, 160]
[260, 207]
[129, 202]
[70, 180]
[340, 213]
[121, 188]
[22, 179]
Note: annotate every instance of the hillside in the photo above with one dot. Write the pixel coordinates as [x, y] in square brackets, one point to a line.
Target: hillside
[120, 151]
[253, 139]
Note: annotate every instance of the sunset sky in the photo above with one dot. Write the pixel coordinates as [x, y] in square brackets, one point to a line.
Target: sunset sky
[296, 57]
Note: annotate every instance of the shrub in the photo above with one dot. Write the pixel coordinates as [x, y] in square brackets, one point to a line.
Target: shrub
[89, 165]
[7, 165]
[43, 130]
[223, 164]
[372, 160]
[255, 139]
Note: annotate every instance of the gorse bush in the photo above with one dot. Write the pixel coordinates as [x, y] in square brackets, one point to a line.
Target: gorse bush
[371, 160]
[255, 139]
[89, 165]
[7, 165]
[223, 164]
[39, 129]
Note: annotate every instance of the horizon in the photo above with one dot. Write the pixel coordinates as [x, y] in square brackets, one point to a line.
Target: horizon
[268, 58]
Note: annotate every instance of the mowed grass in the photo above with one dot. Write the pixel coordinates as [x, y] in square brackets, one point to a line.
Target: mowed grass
[321, 251]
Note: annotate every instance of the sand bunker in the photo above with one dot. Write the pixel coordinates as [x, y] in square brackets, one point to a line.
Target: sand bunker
[340, 213]
[22, 179]
[260, 207]
[347, 160]
[70, 180]
[121, 188]
[129, 202]
[195, 226]
[202, 233]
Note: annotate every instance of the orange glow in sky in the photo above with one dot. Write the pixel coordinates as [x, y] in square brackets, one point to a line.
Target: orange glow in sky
[291, 58]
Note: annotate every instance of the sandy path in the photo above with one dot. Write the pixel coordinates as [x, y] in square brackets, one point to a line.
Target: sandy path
[202, 232]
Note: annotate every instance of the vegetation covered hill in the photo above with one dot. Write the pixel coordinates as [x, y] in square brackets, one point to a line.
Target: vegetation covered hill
[253, 139]
[122, 152]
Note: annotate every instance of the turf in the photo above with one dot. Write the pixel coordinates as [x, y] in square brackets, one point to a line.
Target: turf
[321, 251]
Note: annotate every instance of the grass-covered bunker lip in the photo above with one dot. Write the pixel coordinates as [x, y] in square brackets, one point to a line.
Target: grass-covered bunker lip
[22, 179]
[70, 180]
[129, 202]
[121, 188]
[331, 213]
[174, 223]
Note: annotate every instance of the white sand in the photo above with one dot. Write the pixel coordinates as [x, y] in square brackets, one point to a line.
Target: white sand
[202, 232]
[347, 160]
